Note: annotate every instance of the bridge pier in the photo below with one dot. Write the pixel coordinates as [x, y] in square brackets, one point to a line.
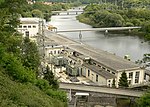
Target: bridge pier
[106, 32]
[80, 35]
[129, 30]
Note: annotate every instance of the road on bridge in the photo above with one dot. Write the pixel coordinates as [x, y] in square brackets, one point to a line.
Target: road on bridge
[98, 89]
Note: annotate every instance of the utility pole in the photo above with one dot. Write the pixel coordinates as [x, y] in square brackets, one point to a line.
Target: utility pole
[42, 45]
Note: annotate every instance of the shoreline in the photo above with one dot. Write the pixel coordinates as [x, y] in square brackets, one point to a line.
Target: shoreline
[134, 32]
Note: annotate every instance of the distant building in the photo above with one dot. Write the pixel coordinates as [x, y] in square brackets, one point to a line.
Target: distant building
[30, 27]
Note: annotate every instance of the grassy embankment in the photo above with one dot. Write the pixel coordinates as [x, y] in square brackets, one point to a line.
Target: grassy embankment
[16, 94]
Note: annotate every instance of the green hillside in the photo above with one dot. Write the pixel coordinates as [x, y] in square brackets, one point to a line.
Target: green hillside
[20, 85]
[15, 94]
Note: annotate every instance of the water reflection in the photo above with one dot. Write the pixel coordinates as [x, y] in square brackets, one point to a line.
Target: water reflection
[120, 44]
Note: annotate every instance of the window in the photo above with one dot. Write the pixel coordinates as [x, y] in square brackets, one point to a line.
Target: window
[24, 26]
[34, 26]
[113, 73]
[103, 68]
[20, 26]
[136, 80]
[99, 66]
[137, 74]
[108, 70]
[144, 76]
[54, 52]
[96, 78]
[29, 26]
[137, 77]
[130, 74]
[88, 72]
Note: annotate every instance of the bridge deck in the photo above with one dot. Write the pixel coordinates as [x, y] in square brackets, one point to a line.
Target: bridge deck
[119, 92]
[67, 11]
[99, 29]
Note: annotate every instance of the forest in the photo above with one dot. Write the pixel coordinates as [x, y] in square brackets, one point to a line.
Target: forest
[124, 13]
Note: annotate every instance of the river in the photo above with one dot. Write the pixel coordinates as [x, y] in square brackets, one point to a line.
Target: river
[119, 44]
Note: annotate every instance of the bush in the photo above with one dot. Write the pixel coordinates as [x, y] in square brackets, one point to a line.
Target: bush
[15, 69]
[60, 95]
[42, 84]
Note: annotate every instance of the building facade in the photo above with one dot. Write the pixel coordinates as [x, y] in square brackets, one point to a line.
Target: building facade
[31, 27]
[101, 67]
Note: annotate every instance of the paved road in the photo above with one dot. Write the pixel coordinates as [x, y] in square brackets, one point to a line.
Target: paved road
[120, 92]
[59, 39]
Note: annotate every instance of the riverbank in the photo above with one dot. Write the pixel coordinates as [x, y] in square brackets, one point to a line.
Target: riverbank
[81, 18]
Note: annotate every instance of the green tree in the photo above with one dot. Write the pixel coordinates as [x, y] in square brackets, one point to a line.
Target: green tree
[30, 55]
[144, 101]
[49, 76]
[123, 82]
[37, 13]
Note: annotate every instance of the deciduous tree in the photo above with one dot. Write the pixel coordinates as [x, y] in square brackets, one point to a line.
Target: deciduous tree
[49, 76]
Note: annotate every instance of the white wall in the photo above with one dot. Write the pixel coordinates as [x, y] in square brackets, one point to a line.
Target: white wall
[55, 51]
[92, 77]
[26, 27]
[141, 76]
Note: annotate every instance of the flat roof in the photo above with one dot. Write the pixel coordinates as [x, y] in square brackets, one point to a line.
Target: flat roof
[107, 59]
[99, 71]
[31, 20]
[81, 94]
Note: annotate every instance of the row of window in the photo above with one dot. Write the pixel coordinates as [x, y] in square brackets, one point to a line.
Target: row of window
[137, 75]
[29, 26]
[103, 68]
[96, 75]
[55, 52]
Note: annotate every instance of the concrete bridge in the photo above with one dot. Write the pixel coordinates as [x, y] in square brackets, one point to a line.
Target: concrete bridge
[106, 30]
[73, 12]
[120, 93]
[100, 29]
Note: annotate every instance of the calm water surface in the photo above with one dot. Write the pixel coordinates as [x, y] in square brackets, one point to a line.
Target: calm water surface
[119, 44]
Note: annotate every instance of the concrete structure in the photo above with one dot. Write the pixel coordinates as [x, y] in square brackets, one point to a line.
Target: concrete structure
[99, 66]
[124, 93]
[108, 64]
[100, 29]
[30, 27]
[73, 12]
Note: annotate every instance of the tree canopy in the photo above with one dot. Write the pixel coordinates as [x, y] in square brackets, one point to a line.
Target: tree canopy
[110, 15]
[19, 63]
